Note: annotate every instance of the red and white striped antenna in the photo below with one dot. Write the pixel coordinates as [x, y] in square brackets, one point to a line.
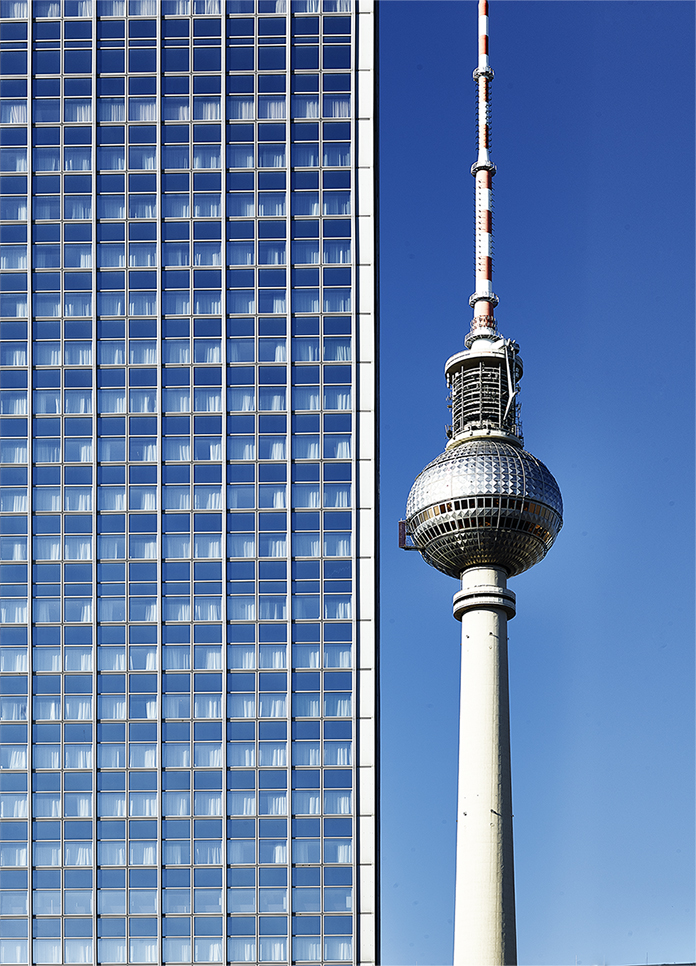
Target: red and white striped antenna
[484, 300]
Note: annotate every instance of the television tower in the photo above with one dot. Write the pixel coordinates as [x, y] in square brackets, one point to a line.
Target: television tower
[483, 511]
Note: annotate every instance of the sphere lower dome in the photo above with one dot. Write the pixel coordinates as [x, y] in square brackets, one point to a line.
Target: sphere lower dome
[484, 503]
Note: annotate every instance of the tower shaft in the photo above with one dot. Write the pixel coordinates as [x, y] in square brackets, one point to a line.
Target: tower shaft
[484, 919]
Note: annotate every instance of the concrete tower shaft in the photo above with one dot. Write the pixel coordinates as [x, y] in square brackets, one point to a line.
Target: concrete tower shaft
[485, 930]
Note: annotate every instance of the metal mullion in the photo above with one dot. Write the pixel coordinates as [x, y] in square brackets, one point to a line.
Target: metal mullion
[190, 464]
[61, 751]
[288, 453]
[320, 194]
[61, 343]
[126, 461]
[61, 218]
[322, 460]
[355, 427]
[192, 436]
[257, 693]
[95, 470]
[257, 653]
[223, 294]
[30, 480]
[160, 699]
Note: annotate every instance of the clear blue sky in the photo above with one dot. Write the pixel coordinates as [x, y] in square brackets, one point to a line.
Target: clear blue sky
[593, 136]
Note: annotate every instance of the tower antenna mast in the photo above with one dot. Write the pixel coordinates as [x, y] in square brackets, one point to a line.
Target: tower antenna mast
[483, 301]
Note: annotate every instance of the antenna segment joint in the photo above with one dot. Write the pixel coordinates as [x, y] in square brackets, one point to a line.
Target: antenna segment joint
[483, 166]
[484, 297]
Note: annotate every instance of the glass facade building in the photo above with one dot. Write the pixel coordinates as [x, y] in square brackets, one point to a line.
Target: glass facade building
[188, 686]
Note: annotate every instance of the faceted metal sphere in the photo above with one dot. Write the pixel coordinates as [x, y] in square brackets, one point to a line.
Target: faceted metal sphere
[484, 503]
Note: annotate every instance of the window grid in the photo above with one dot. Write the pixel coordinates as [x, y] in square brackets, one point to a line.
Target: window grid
[94, 448]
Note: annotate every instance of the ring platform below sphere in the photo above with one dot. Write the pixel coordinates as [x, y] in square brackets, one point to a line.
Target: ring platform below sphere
[484, 503]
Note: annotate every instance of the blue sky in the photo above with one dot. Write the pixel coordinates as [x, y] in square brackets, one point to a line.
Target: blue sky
[593, 137]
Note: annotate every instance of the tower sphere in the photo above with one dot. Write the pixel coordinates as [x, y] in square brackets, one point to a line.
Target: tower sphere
[484, 502]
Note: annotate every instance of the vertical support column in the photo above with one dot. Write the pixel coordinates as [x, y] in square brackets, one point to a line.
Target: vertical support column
[223, 294]
[288, 445]
[95, 517]
[159, 409]
[484, 922]
[30, 479]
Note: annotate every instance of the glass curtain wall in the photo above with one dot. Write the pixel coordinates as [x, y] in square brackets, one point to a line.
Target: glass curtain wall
[179, 475]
